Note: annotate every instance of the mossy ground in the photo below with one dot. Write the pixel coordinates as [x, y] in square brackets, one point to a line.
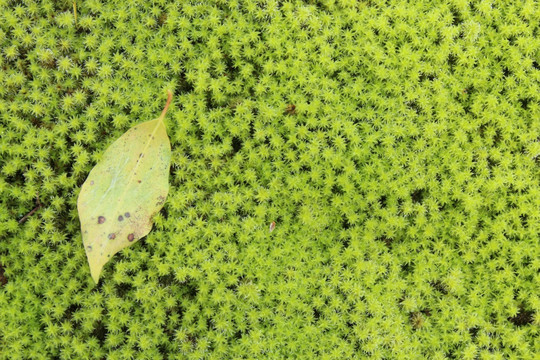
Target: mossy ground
[396, 146]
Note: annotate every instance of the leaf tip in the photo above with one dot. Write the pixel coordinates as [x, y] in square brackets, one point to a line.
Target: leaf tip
[95, 274]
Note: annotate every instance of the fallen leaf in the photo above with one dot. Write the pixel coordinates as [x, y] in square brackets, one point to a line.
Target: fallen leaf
[124, 190]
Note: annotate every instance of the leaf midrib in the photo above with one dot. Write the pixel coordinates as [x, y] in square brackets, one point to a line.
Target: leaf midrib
[134, 170]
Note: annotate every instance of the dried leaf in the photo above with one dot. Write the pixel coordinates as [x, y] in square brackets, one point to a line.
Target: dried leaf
[124, 190]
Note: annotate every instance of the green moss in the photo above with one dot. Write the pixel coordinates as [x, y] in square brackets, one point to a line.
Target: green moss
[403, 182]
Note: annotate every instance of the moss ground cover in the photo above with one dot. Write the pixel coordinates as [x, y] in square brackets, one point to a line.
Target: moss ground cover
[396, 147]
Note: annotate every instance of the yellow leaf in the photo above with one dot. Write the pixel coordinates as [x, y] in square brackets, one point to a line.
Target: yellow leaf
[124, 190]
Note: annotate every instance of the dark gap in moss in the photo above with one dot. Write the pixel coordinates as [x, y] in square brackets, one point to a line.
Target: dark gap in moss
[456, 16]
[230, 68]
[535, 65]
[506, 72]
[451, 354]
[382, 201]
[123, 289]
[497, 138]
[424, 77]
[100, 332]
[17, 179]
[336, 189]
[316, 314]
[345, 241]
[369, 315]
[3, 278]
[172, 172]
[524, 218]
[255, 111]
[418, 195]
[251, 129]
[322, 6]
[167, 280]
[524, 103]
[467, 108]
[22, 64]
[407, 268]
[414, 106]
[210, 104]
[482, 130]
[199, 133]
[523, 317]
[165, 214]
[183, 86]
[376, 145]
[163, 350]
[189, 289]
[473, 332]
[437, 40]
[452, 60]
[387, 241]
[242, 212]
[192, 339]
[491, 163]
[236, 145]
[473, 169]
[345, 223]
[68, 314]
[439, 286]
[333, 75]
[257, 72]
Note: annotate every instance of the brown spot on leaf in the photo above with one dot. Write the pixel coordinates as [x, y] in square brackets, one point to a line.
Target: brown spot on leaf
[139, 181]
[127, 214]
[131, 237]
[112, 236]
[120, 218]
[89, 248]
[101, 219]
[161, 200]
[141, 155]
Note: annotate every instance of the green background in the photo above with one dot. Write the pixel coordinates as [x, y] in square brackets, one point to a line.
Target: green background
[404, 182]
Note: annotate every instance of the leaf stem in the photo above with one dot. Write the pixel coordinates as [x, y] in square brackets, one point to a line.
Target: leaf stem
[169, 99]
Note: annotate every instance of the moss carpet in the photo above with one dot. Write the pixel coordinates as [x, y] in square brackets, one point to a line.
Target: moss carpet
[394, 144]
